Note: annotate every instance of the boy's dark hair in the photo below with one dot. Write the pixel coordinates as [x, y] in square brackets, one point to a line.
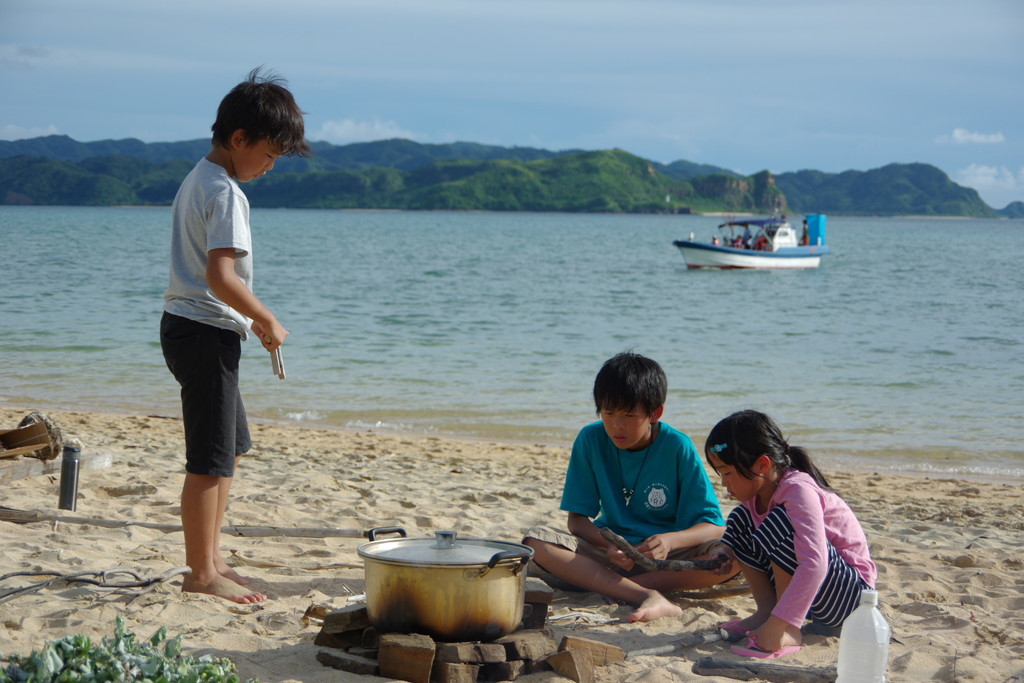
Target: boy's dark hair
[743, 437]
[629, 380]
[263, 107]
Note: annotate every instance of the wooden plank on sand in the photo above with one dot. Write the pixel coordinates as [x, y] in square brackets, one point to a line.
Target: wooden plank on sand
[764, 671]
[30, 516]
[601, 653]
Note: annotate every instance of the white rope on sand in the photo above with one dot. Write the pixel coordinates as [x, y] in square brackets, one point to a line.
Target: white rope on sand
[100, 578]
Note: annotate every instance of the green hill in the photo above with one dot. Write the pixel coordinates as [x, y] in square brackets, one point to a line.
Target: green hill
[32, 180]
[610, 181]
[64, 148]
[402, 174]
[896, 189]
[1012, 210]
[395, 153]
[686, 170]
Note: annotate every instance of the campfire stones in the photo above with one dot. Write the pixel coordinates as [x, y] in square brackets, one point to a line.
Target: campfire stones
[406, 657]
[358, 648]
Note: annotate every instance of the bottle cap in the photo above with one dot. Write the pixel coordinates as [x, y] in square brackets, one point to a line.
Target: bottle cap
[868, 597]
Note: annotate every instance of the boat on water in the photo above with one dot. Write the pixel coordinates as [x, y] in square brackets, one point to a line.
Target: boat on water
[759, 243]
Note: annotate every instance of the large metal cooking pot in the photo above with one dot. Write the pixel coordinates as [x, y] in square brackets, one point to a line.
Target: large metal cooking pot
[451, 589]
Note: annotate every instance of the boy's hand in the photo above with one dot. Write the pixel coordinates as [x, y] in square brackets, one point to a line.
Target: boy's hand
[619, 558]
[656, 547]
[271, 336]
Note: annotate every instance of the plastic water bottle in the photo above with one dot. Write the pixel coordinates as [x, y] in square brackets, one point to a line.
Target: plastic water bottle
[68, 498]
[864, 643]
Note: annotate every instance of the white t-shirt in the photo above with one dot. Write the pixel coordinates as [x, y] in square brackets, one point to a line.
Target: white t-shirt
[210, 211]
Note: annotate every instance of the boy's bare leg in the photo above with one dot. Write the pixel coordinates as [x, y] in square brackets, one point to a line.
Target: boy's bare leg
[669, 581]
[594, 576]
[201, 514]
[218, 560]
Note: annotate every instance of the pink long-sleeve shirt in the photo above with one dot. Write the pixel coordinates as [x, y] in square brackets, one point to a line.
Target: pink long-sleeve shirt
[819, 517]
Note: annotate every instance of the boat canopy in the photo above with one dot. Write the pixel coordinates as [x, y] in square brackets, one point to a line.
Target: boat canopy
[758, 222]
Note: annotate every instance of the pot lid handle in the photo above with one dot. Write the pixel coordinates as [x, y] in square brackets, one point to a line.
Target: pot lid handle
[523, 555]
[373, 533]
[445, 539]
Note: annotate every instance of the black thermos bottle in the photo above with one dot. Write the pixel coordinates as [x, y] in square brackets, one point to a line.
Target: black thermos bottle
[69, 478]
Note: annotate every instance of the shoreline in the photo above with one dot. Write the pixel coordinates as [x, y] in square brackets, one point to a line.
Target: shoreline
[949, 551]
[901, 465]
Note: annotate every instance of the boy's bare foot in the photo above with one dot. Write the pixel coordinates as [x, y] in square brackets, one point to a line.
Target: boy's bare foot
[230, 574]
[222, 588]
[655, 607]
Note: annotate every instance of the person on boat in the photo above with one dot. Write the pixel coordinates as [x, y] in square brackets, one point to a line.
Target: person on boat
[641, 479]
[805, 239]
[761, 243]
[746, 237]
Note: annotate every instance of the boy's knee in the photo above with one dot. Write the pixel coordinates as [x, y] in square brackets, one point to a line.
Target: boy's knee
[534, 543]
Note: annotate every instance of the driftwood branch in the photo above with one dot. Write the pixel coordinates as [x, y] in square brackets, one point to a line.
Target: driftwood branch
[29, 516]
[658, 565]
[687, 641]
[756, 670]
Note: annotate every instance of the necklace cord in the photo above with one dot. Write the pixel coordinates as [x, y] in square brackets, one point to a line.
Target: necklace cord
[628, 493]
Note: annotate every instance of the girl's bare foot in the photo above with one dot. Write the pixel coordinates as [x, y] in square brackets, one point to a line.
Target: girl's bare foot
[655, 607]
[750, 623]
[222, 588]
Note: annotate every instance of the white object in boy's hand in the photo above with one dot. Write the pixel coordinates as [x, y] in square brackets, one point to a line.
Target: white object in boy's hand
[277, 363]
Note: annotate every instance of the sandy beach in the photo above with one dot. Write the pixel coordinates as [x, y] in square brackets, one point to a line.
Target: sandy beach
[950, 553]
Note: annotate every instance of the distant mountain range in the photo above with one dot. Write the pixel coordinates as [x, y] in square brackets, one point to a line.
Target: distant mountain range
[401, 174]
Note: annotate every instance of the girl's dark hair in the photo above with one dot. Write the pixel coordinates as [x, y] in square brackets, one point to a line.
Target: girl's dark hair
[740, 439]
[263, 107]
[628, 380]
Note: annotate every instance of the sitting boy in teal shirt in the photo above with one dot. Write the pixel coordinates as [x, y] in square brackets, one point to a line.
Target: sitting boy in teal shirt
[642, 479]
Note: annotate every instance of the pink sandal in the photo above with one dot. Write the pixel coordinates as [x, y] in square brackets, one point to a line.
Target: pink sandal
[731, 631]
[752, 650]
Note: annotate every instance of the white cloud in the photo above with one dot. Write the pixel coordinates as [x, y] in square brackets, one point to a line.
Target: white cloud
[10, 132]
[962, 136]
[347, 131]
[997, 185]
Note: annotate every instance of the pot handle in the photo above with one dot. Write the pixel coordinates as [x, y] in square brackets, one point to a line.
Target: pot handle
[523, 555]
[376, 531]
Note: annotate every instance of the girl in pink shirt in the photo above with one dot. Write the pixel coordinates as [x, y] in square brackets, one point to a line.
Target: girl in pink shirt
[798, 544]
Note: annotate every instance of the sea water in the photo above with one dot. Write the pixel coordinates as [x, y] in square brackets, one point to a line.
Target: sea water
[903, 352]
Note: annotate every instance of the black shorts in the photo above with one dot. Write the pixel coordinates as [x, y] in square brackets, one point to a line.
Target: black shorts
[204, 360]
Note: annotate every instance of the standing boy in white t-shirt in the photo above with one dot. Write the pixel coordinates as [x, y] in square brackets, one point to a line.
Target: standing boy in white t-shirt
[209, 308]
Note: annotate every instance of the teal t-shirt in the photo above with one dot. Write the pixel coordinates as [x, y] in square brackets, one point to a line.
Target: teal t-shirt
[672, 490]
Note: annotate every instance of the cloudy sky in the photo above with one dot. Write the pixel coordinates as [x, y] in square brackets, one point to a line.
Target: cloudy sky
[744, 84]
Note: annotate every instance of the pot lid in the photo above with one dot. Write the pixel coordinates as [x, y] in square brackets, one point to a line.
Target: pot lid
[442, 550]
